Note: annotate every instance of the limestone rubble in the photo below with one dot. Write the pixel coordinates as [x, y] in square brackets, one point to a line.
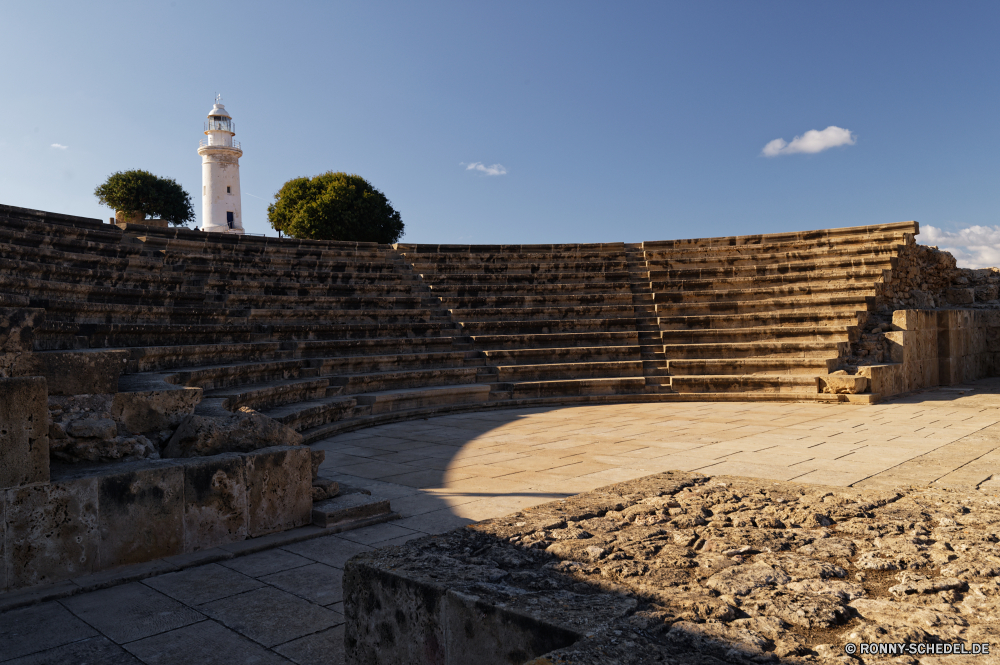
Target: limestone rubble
[726, 568]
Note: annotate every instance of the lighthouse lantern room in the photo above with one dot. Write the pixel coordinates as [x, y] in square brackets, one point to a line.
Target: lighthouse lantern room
[220, 173]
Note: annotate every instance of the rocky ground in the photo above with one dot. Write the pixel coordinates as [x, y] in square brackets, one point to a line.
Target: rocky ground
[693, 569]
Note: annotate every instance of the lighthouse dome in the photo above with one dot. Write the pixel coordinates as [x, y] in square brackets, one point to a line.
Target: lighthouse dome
[219, 110]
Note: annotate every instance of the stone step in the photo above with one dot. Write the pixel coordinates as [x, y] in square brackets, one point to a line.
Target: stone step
[543, 313]
[768, 293]
[546, 326]
[789, 268]
[311, 413]
[744, 383]
[369, 346]
[423, 397]
[535, 290]
[136, 263]
[831, 235]
[396, 361]
[158, 358]
[518, 268]
[351, 508]
[245, 369]
[411, 248]
[865, 276]
[568, 370]
[759, 319]
[535, 356]
[534, 341]
[573, 387]
[766, 366]
[526, 278]
[850, 303]
[64, 335]
[239, 373]
[761, 334]
[502, 257]
[371, 382]
[270, 394]
[97, 313]
[543, 300]
[757, 349]
[768, 256]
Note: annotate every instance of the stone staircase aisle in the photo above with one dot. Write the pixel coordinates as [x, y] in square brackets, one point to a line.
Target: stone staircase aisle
[654, 361]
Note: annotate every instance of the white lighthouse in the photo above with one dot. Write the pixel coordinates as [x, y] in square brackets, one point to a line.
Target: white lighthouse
[220, 173]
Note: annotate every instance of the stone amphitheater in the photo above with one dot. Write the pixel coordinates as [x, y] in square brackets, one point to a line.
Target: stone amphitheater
[167, 393]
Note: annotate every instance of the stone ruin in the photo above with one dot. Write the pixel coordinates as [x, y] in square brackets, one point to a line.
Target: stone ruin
[686, 569]
[161, 386]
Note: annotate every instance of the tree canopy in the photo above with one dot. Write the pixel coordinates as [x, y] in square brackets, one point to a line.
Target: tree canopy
[141, 191]
[334, 206]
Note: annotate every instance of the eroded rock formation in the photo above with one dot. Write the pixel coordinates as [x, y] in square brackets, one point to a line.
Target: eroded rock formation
[689, 569]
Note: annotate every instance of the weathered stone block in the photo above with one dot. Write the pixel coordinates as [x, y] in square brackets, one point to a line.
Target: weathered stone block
[93, 428]
[24, 438]
[141, 511]
[52, 531]
[884, 380]
[904, 319]
[898, 342]
[154, 410]
[279, 489]
[843, 384]
[215, 501]
[959, 296]
[17, 328]
[401, 620]
[242, 431]
[987, 292]
[76, 372]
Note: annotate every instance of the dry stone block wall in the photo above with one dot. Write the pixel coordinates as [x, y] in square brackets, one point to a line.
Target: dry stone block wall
[683, 568]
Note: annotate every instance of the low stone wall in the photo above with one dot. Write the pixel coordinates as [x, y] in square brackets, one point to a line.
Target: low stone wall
[937, 347]
[682, 568]
[72, 520]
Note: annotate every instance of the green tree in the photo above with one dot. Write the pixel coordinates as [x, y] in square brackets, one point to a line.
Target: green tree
[142, 192]
[334, 206]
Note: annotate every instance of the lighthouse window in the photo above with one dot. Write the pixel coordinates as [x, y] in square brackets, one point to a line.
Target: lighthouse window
[228, 190]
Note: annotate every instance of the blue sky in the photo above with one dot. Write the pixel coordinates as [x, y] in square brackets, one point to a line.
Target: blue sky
[611, 121]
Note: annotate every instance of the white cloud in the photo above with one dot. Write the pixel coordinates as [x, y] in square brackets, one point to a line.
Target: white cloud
[972, 247]
[493, 169]
[59, 146]
[812, 141]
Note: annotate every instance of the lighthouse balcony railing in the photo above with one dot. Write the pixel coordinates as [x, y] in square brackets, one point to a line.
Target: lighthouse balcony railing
[235, 145]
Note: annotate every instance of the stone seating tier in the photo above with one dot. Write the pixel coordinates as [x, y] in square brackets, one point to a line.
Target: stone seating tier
[328, 336]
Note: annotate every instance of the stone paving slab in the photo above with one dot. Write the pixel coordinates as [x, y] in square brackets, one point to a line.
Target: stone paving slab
[270, 616]
[90, 650]
[131, 612]
[462, 472]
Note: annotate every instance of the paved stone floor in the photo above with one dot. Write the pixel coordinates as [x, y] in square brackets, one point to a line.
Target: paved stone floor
[285, 604]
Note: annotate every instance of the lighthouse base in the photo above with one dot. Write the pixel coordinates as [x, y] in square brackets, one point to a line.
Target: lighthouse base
[221, 229]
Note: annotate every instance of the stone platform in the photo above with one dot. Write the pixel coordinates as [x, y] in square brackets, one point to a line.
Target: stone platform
[683, 568]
